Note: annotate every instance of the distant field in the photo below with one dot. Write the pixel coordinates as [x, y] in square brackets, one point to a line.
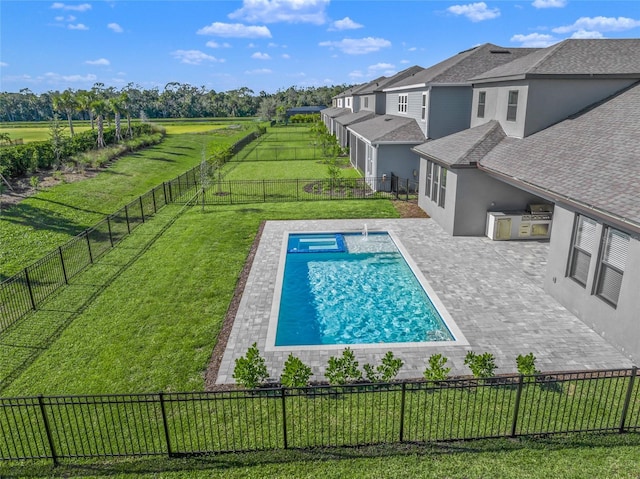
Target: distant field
[39, 131]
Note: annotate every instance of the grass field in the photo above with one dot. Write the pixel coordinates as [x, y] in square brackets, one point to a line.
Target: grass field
[40, 131]
[53, 216]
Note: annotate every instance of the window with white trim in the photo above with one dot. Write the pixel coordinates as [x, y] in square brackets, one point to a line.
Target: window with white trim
[423, 111]
[436, 182]
[366, 102]
[512, 105]
[403, 102]
[584, 240]
[427, 188]
[482, 99]
[613, 259]
[443, 186]
[348, 102]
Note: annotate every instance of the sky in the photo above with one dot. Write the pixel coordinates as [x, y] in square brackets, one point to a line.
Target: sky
[271, 45]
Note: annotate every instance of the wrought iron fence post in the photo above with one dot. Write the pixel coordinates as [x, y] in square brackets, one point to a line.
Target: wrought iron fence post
[627, 399]
[141, 208]
[297, 189]
[47, 429]
[31, 297]
[64, 270]
[516, 407]
[402, 401]
[284, 417]
[164, 192]
[126, 217]
[109, 229]
[164, 424]
[153, 195]
[86, 235]
[264, 191]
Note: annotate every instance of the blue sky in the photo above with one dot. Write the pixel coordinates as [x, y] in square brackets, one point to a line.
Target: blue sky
[272, 44]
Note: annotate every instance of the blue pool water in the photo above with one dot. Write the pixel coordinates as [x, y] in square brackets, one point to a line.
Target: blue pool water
[352, 289]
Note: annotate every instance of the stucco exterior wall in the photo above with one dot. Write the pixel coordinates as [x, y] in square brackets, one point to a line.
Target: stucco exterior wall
[497, 99]
[620, 326]
[397, 159]
[449, 110]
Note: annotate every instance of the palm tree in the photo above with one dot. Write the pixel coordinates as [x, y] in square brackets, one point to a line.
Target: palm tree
[84, 99]
[100, 108]
[116, 104]
[66, 102]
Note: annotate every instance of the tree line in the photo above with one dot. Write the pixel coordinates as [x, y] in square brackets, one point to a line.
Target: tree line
[176, 100]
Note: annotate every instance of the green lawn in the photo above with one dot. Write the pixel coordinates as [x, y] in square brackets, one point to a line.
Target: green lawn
[53, 216]
[153, 326]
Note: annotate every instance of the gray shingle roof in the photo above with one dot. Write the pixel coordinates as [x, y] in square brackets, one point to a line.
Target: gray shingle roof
[334, 112]
[351, 118]
[464, 148]
[462, 67]
[611, 57]
[592, 158]
[389, 128]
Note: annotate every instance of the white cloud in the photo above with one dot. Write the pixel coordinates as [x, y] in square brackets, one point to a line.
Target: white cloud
[251, 45]
[212, 44]
[55, 77]
[356, 74]
[381, 66]
[584, 34]
[99, 61]
[115, 27]
[358, 46]
[261, 56]
[4, 64]
[289, 11]
[345, 24]
[404, 62]
[193, 57]
[600, 24]
[549, 3]
[259, 71]
[534, 40]
[235, 30]
[82, 7]
[78, 26]
[476, 12]
[412, 49]
[286, 56]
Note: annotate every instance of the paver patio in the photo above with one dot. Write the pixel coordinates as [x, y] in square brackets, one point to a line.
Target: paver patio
[491, 289]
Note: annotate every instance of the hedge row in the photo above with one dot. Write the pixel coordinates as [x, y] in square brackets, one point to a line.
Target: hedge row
[17, 160]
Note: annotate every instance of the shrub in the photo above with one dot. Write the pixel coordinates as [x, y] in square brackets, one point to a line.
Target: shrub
[296, 374]
[527, 365]
[250, 371]
[482, 365]
[436, 371]
[384, 372]
[344, 369]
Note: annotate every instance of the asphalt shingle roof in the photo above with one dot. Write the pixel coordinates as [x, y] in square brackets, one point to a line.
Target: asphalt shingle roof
[334, 112]
[362, 115]
[464, 148]
[613, 57]
[390, 128]
[592, 157]
[462, 67]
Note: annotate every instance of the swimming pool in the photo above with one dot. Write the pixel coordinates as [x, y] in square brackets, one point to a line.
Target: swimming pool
[352, 288]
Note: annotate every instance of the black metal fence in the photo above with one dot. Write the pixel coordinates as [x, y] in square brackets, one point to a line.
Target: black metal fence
[28, 289]
[175, 424]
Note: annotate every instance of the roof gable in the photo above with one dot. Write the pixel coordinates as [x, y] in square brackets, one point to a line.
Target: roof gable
[389, 128]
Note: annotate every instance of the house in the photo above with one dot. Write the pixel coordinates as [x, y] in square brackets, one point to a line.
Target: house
[436, 101]
[560, 127]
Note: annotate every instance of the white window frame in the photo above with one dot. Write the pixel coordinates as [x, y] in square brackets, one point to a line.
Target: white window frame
[582, 245]
[512, 105]
[403, 102]
[366, 102]
[443, 187]
[482, 101]
[423, 110]
[611, 265]
[436, 183]
[429, 179]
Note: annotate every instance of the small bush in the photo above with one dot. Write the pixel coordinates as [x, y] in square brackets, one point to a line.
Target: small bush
[482, 365]
[344, 369]
[250, 371]
[436, 371]
[296, 374]
[527, 365]
[384, 372]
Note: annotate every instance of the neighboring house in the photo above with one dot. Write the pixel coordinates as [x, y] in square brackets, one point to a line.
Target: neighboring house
[344, 121]
[435, 101]
[561, 127]
[304, 110]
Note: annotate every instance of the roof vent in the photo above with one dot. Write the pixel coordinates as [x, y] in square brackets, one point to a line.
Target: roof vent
[500, 51]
